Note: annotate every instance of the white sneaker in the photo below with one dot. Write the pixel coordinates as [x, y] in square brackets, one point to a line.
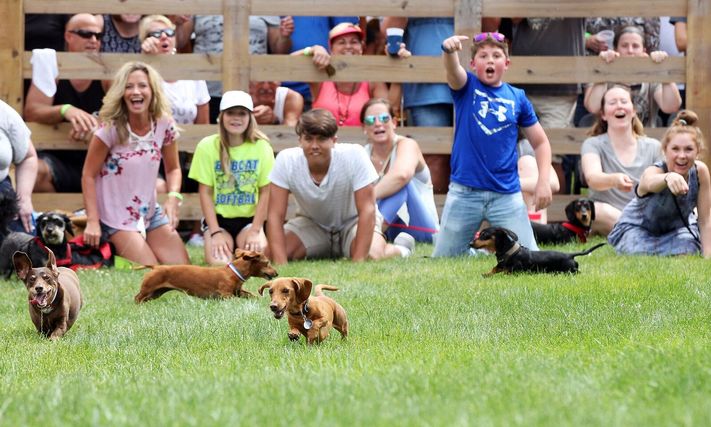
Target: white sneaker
[406, 244]
[196, 239]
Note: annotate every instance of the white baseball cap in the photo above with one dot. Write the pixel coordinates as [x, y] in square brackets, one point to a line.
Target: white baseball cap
[236, 98]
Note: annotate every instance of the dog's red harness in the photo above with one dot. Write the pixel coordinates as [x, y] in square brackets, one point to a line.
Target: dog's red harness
[579, 231]
[63, 262]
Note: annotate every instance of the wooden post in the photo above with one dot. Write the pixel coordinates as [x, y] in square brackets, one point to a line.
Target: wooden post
[12, 44]
[235, 55]
[467, 22]
[698, 66]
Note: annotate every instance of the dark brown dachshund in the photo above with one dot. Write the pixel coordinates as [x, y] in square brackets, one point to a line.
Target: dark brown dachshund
[513, 258]
[580, 214]
[54, 294]
[309, 316]
[206, 282]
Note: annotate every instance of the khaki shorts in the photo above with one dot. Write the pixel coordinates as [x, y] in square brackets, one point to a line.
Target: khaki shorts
[320, 243]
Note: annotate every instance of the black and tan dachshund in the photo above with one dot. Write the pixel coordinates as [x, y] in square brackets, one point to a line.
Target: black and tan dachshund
[511, 257]
[580, 214]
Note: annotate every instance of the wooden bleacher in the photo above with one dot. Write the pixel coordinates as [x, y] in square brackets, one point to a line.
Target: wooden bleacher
[236, 69]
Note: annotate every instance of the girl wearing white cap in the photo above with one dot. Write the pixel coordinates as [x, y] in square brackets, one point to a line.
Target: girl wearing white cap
[232, 168]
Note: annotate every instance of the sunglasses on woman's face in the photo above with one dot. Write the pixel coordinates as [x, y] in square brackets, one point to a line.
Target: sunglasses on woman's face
[483, 36]
[370, 120]
[86, 34]
[167, 31]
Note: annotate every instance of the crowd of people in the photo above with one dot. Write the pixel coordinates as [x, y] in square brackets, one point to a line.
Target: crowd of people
[368, 199]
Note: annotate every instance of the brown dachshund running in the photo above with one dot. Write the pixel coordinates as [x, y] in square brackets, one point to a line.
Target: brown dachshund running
[312, 317]
[207, 282]
[514, 258]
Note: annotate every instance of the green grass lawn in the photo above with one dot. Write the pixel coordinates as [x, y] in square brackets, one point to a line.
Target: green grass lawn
[625, 342]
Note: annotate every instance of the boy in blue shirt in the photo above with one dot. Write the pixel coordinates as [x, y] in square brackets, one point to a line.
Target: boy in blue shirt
[484, 180]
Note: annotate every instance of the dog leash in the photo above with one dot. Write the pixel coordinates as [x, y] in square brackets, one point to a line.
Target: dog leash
[411, 227]
[579, 231]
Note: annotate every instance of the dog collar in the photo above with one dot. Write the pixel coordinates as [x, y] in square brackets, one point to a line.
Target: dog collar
[515, 248]
[579, 231]
[236, 272]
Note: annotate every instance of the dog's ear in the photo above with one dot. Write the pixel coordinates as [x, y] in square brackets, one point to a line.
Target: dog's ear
[591, 203]
[263, 287]
[511, 234]
[51, 262]
[68, 225]
[247, 255]
[302, 288]
[570, 210]
[22, 263]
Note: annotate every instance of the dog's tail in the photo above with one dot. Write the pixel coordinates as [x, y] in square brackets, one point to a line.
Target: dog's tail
[320, 288]
[585, 252]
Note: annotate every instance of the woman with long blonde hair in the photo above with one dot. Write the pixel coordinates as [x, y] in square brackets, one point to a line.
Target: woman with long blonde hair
[119, 177]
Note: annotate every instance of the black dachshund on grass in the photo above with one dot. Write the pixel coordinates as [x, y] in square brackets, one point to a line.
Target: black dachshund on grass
[580, 214]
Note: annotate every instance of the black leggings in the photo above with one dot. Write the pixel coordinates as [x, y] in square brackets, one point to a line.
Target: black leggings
[232, 225]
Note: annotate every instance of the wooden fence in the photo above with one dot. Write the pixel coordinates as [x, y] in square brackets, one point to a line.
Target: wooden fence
[237, 67]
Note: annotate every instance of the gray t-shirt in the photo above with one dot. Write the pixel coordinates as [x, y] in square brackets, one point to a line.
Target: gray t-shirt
[649, 151]
[209, 32]
[332, 203]
[549, 37]
[14, 139]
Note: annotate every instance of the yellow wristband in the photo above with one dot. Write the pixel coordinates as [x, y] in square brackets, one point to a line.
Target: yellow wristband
[63, 109]
[176, 195]
[308, 51]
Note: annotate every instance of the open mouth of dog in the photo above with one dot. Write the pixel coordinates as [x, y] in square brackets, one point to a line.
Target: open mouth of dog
[279, 313]
[40, 299]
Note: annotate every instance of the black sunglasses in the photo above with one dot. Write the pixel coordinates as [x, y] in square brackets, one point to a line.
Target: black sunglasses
[86, 34]
[156, 34]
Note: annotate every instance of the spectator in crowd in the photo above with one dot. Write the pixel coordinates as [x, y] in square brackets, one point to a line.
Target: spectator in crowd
[528, 176]
[76, 101]
[679, 32]
[121, 34]
[661, 219]
[485, 183]
[615, 156]
[310, 31]
[121, 168]
[404, 187]
[267, 34]
[426, 104]
[16, 149]
[233, 168]
[596, 43]
[648, 98]
[343, 99]
[275, 104]
[333, 185]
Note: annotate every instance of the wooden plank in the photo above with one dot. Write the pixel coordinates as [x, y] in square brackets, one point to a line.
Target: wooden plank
[500, 8]
[421, 69]
[698, 57]
[431, 140]
[236, 65]
[12, 44]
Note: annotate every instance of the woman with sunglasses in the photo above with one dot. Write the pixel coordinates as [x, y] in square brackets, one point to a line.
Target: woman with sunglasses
[404, 188]
[343, 99]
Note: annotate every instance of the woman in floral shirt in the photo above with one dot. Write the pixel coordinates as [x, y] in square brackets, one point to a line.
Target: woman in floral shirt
[121, 168]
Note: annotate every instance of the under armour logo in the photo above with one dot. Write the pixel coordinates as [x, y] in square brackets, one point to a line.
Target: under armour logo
[485, 109]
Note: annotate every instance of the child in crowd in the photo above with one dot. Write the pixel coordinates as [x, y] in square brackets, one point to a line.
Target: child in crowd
[484, 180]
[661, 219]
[232, 168]
[121, 169]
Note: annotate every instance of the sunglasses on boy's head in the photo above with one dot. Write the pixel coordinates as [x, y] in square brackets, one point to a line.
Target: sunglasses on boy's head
[86, 34]
[156, 34]
[484, 36]
[370, 120]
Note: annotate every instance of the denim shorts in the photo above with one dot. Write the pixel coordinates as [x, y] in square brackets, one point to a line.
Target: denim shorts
[158, 219]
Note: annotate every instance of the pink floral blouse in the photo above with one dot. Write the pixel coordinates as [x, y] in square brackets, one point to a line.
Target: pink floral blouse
[125, 186]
